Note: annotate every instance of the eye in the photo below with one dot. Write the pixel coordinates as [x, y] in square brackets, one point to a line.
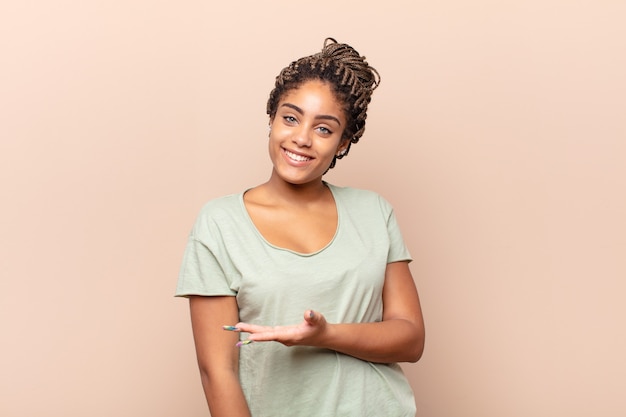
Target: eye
[290, 119]
[325, 130]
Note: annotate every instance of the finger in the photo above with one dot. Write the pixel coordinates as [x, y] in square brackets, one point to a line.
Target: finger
[313, 318]
[253, 328]
[277, 334]
[310, 316]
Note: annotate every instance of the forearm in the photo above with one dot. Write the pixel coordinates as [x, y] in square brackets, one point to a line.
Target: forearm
[394, 340]
[218, 358]
[224, 395]
[398, 337]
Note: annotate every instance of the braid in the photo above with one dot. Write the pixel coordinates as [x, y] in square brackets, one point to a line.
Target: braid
[352, 80]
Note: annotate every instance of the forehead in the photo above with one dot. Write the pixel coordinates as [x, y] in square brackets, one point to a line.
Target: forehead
[313, 95]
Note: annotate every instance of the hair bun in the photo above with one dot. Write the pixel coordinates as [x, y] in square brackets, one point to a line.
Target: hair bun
[348, 56]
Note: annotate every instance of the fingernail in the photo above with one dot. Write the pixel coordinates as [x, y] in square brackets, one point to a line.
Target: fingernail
[244, 342]
[311, 314]
[231, 328]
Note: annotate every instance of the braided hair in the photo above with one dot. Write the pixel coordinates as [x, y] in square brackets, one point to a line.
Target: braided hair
[350, 77]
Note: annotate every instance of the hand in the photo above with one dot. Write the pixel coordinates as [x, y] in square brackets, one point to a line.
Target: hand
[307, 333]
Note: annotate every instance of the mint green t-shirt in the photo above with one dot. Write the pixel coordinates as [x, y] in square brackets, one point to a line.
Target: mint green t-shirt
[226, 255]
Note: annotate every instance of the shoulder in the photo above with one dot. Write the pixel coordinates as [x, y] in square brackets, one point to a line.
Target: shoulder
[221, 204]
[219, 212]
[359, 196]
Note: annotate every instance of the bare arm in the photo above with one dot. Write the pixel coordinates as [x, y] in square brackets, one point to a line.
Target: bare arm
[399, 337]
[218, 357]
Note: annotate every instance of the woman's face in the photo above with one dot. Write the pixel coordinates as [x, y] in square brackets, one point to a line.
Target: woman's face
[306, 133]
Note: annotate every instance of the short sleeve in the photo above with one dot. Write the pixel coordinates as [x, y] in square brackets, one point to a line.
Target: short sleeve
[201, 273]
[397, 248]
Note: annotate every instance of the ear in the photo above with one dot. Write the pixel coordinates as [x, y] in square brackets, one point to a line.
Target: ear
[343, 145]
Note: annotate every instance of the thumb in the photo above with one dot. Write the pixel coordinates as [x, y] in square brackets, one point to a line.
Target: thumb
[311, 316]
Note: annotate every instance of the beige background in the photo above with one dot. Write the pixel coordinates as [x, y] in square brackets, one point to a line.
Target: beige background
[498, 133]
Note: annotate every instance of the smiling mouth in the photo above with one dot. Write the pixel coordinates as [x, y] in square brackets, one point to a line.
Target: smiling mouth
[296, 157]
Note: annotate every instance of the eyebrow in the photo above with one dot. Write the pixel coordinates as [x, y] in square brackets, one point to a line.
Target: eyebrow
[321, 116]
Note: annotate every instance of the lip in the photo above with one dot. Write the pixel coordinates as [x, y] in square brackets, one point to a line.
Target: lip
[310, 158]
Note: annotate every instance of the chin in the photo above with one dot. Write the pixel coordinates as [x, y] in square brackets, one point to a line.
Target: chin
[298, 180]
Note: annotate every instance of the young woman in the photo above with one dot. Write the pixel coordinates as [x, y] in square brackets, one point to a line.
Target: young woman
[302, 302]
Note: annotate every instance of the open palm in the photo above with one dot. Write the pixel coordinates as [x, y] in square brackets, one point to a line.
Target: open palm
[308, 332]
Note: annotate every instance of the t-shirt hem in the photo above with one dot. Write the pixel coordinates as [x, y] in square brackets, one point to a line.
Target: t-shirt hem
[189, 294]
[401, 259]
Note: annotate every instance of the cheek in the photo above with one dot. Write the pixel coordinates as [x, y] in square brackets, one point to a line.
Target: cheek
[273, 146]
[270, 146]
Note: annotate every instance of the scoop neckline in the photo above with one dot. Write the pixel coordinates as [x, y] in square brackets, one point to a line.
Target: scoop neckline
[280, 248]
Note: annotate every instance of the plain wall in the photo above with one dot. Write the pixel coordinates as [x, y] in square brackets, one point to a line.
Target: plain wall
[498, 133]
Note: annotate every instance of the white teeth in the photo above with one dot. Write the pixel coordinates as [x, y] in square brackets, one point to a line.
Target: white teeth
[295, 157]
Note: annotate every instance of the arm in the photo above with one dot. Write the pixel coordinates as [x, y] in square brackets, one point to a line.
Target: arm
[399, 337]
[218, 357]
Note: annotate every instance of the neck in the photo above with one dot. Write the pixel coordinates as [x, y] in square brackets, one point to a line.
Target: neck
[295, 193]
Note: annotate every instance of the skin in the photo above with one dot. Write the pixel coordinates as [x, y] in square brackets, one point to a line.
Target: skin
[306, 133]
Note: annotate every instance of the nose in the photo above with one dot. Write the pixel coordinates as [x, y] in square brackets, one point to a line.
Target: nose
[302, 137]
